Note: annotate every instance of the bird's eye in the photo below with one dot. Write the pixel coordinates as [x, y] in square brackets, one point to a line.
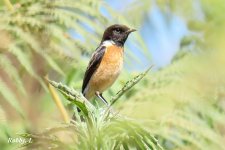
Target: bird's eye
[117, 30]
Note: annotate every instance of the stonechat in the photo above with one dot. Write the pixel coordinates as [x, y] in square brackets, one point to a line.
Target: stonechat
[106, 62]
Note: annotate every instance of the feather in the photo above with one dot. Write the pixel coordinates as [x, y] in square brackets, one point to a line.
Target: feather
[93, 66]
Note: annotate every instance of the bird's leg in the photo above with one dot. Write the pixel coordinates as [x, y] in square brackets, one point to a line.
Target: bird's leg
[105, 101]
[101, 97]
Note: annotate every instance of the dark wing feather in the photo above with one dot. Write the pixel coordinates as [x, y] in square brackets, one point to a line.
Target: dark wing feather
[93, 65]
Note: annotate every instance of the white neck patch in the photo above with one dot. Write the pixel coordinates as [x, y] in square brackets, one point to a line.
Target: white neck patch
[108, 43]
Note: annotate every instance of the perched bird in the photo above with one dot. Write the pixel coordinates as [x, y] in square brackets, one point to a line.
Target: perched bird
[106, 62]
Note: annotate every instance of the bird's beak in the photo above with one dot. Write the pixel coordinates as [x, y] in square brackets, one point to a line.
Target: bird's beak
[131, 30]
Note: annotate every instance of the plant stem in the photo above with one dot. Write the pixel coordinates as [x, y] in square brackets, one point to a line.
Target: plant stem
[73, 96]
[9, 5]
[128, 86]
[58, 102]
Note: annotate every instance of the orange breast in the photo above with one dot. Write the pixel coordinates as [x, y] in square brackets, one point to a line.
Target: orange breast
[108, 70]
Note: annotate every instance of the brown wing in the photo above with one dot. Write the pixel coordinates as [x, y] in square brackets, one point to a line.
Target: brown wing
[93, 65]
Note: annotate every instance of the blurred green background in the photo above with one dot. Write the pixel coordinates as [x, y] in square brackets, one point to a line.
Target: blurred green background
[181, 101]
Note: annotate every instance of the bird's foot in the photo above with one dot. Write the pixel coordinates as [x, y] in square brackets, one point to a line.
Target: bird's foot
[99, 95]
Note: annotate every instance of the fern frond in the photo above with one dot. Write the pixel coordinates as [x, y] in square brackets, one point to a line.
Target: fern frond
[11, 71]
[10, 97]
[129, 85]
[25, 62]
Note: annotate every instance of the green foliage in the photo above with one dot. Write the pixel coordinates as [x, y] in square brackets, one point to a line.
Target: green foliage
[36, 33]
[185, 104]
[128, 86]
[182, 104]
[100, 128]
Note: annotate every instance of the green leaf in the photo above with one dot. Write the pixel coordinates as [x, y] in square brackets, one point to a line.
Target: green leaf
[25, 62]
[9, 96]
[12, 72]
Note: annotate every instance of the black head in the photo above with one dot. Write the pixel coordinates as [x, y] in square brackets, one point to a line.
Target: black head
[117, 33]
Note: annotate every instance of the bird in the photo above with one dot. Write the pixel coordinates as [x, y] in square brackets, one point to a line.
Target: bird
[106, 62]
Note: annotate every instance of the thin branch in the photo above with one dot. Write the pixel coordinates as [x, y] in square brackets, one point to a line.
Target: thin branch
[128, 86]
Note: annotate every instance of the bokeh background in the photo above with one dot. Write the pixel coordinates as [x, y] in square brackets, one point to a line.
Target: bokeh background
[181, 100]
